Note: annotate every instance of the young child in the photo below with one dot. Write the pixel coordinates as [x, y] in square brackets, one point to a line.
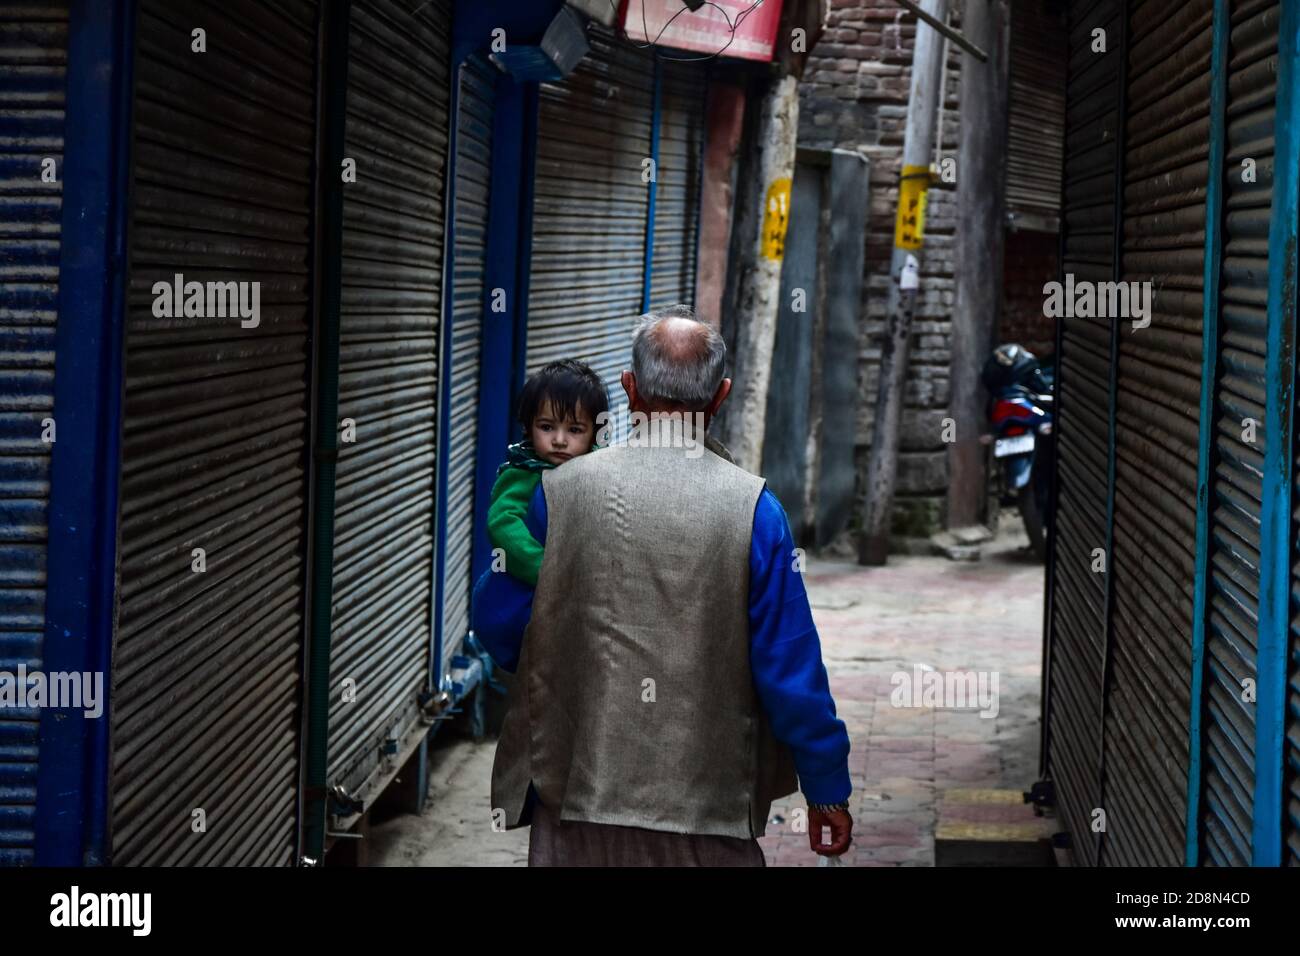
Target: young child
[559, 409]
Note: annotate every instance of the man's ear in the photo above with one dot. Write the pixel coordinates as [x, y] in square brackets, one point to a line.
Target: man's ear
[629, 386]
[720, 396]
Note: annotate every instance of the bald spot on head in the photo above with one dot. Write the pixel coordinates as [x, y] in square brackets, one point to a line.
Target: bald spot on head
[681, 341]
[678, 362]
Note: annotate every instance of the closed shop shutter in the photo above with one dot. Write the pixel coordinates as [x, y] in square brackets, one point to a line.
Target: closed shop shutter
[476, 93]
[1291, 855]
[33, 77]
[1035, 115]
[677, 193]
[1078, 624]
[589, 212]
[1148, 705]
[207, 679]
[393, 224]
[1291, 817]
[1237, 466]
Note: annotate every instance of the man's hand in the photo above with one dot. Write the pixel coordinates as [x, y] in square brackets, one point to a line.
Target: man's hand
[841, 825]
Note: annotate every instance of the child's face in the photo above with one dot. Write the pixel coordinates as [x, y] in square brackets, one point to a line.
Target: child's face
[558, 441]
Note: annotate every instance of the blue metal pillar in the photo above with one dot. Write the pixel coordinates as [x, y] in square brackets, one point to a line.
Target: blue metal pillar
[72, 780]
[509, 218]
[1276, 539]
[509, 243]
[523, 267]
[656, 119]
[1205, 437]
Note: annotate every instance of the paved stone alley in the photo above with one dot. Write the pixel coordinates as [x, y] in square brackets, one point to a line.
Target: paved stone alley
[983, 616]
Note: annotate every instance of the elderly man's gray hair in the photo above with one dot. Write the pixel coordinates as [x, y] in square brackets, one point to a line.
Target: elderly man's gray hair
[677, 369]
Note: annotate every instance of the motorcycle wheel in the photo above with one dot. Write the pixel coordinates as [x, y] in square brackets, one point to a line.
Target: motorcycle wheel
[1032, 515]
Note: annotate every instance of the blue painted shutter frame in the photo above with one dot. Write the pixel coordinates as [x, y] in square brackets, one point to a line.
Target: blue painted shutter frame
[1233, 588]
[33, 79]
[1277, 611]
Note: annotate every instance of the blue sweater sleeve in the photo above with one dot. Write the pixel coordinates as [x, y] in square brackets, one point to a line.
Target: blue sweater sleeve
[536, 517]
[786, 659]
[503, 604]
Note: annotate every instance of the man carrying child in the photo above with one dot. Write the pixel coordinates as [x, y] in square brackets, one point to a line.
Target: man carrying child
[670, 681]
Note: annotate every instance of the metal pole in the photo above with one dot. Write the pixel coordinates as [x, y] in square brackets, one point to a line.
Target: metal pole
[904, 271]
[1276, 538]
[73, 775]
[939, 24]
[1205, 438]
[337, 23]
[1117, 273]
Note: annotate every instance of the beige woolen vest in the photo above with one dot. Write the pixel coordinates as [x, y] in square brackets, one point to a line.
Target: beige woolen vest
[645, 579]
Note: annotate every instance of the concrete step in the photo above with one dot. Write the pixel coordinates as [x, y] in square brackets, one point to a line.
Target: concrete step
[972, 534]
[991, 828]
[947, 544]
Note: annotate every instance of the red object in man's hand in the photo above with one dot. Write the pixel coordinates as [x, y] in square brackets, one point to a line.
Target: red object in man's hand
[841, 825]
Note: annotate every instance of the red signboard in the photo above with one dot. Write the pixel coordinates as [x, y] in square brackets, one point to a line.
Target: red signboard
[741, 28]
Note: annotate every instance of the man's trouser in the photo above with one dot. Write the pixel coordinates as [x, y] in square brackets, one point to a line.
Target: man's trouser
[556, 843]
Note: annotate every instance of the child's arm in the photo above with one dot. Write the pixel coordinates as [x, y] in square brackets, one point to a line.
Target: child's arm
[506, 528]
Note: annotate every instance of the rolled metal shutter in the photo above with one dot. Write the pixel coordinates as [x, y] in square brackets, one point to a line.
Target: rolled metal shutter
[677, 193]
[33, 80]
[1239, 393]
[207, 666]
[473, 172]
[1292, 796]
[1148, 706]
[1035, 115]
[589, 212]
[393, 225]
[1078, 624]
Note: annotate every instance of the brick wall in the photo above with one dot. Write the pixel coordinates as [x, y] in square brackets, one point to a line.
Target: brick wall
[854, 96]
[1030, 262]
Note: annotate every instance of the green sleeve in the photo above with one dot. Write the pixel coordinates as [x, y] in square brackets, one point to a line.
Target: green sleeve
[511, 495]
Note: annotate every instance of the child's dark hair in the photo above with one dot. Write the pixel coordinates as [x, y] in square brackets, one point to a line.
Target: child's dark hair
[567, 385]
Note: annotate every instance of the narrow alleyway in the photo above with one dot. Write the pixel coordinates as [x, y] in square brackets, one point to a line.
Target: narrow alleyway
[984, 616]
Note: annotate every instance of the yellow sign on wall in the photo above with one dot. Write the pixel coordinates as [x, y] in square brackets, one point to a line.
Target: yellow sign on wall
[776, 219]
[913, 191]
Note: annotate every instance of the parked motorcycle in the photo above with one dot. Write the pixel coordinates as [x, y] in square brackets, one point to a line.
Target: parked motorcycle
[1020, 412]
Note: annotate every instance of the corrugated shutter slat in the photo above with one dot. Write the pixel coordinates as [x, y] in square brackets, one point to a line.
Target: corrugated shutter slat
[1157, 413]
[393, 225]
[469, 260]
[589, 210]
[677, 194]
[207, 665]
[1079, 598]
[1233, 589]
[33, 79]
[1036, 114]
